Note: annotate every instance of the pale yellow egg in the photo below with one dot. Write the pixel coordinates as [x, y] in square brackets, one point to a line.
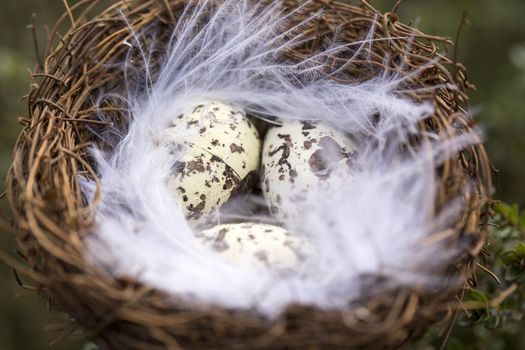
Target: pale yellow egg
[299, 159]
[220, 158]
[256, 245]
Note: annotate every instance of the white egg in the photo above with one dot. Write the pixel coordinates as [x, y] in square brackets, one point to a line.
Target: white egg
[257, 245]
[300, 158]
[220, 158]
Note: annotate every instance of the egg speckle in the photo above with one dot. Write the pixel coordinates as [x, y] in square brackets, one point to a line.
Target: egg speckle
[299, 157]
[220, 158]
[255, 245]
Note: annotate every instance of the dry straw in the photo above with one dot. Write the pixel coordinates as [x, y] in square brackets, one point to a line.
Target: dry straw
[51, 217]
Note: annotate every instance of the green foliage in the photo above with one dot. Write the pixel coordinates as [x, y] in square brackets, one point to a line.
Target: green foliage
[496, 307]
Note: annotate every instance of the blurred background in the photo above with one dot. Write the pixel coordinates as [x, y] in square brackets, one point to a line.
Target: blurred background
[492, 46]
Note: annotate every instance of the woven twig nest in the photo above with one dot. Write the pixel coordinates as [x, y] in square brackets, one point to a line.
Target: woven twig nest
[53, 217]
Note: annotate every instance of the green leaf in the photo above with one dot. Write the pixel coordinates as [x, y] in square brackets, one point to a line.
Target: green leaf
[509, 213]
[502, 209]
[521, 224]
[502, 233]
[520, 250]
[477, 295]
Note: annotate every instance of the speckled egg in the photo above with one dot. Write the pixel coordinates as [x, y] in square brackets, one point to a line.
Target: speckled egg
[300, 156]
[257, 245]
[220, 159]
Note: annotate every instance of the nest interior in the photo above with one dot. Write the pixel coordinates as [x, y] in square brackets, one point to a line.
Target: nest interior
[51, 217]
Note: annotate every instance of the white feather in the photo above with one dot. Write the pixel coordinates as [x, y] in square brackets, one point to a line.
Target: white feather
[373, 225]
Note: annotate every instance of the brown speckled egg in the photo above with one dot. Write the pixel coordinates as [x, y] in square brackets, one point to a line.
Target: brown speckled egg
[257, 245]
[299, 157]
[220, 160]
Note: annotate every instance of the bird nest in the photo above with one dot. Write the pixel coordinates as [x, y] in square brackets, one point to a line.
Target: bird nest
[52, 216]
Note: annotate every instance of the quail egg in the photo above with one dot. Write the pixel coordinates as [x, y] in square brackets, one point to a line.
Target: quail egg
[256, 245]
[220, 158]
[299, 158]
